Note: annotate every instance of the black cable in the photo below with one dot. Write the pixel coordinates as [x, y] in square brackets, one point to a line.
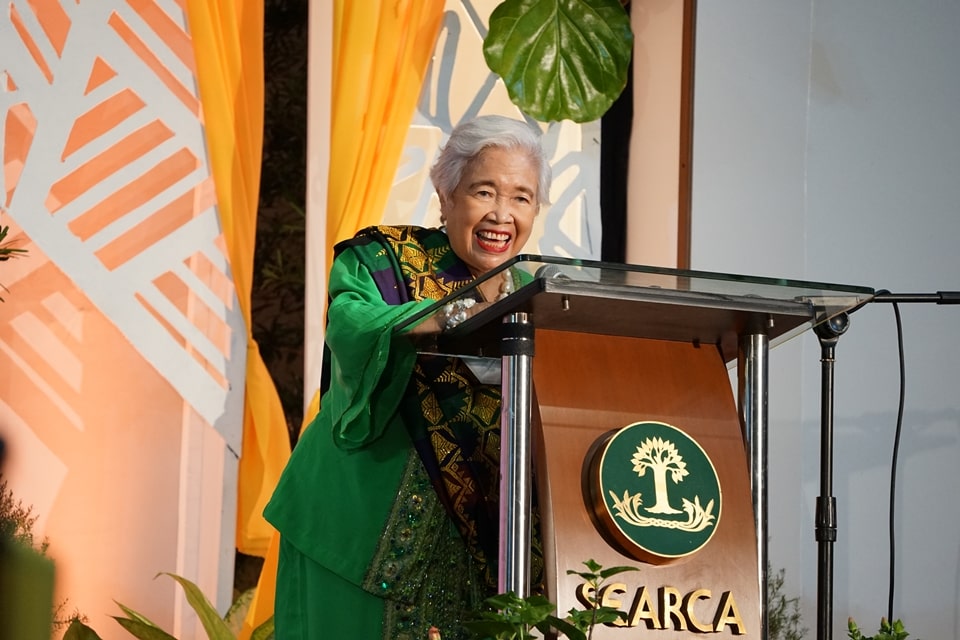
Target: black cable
[893, 464]
[883, 295]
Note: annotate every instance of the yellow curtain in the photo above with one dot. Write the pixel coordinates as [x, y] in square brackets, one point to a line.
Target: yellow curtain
[381, 50]
[228, 48]
[374, 97]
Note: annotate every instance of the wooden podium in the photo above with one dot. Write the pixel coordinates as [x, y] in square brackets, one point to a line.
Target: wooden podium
[618, 410]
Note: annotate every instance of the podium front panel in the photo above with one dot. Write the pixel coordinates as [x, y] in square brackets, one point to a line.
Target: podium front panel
[589, 388]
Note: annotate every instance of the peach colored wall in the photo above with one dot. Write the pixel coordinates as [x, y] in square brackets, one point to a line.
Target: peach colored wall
[89, 453]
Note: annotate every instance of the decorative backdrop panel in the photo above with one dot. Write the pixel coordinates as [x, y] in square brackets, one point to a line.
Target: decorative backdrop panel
[121, 342]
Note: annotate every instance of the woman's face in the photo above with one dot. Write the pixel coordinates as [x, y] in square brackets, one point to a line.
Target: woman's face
[490, 213]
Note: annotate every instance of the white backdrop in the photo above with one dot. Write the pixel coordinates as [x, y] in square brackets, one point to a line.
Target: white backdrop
[827, 147]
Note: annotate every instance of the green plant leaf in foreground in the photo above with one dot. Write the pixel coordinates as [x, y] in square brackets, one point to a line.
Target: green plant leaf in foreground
[887, 631]
[133, 615]
[511, 617]
[79, 631]
[143, 630]
[212, 623]
[7, 251]
[141, 627]
[560, 59]
[264, 631]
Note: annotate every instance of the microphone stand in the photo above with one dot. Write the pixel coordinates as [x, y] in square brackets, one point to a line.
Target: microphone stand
[828, 333]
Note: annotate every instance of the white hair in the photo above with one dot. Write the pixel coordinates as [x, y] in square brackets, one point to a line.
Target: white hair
[468, 139]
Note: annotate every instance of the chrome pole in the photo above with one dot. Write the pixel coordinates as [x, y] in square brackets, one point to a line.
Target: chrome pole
[752, 378]
[516, 474]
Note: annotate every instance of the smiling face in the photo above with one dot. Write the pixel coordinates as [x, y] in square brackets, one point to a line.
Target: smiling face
[490, 213]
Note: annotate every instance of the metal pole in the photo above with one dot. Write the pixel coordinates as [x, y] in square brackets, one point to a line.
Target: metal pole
[515, 455]
[752, 378]
[828, 333]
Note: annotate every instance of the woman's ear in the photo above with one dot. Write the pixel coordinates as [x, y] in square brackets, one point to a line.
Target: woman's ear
[443, 210]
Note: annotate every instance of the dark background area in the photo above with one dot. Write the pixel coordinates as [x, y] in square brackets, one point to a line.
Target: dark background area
[277, 297]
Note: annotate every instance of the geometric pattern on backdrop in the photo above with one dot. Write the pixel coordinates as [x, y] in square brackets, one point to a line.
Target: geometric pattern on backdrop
[105, 171]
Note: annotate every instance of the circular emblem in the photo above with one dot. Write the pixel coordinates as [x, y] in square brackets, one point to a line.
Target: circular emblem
[654, 492]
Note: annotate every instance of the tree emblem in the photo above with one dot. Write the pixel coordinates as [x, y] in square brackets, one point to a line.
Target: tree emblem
[660, 456]
[637, 473]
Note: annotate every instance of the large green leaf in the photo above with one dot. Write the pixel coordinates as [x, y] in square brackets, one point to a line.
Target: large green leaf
[560, 59]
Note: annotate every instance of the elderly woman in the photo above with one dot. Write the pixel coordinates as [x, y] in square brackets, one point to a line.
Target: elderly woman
[387, 510]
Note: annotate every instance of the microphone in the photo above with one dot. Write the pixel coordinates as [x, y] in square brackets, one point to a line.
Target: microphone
[550, 272]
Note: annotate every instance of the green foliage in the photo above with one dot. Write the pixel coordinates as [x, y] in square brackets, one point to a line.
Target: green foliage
[16, 528]
[16, 520]
[513, 618]
[783, 614]
[79, 631]
[595, 577]
[887, 631]
[141, 627]
[560, 59]
[238, 610]
[212, 623]
[7, 251]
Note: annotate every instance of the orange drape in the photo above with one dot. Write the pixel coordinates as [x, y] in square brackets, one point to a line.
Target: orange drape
[228, 47]
[381, 50]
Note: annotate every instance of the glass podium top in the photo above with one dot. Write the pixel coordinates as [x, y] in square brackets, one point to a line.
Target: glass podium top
[634, 301]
